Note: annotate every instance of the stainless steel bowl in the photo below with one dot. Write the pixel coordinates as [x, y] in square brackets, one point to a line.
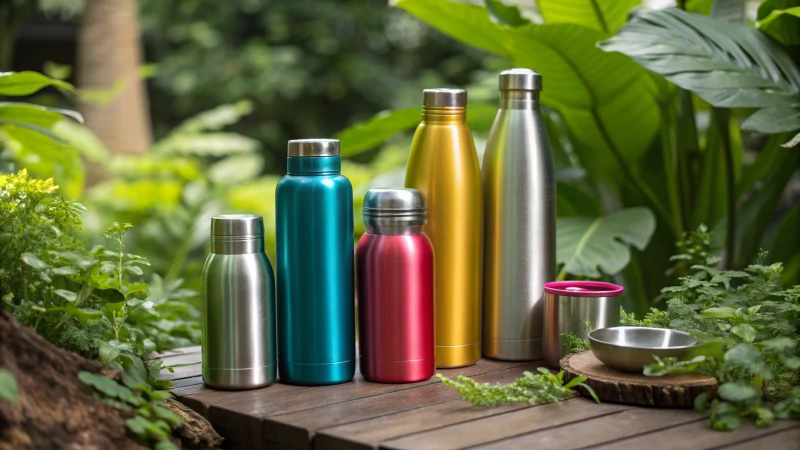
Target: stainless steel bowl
[631, 348]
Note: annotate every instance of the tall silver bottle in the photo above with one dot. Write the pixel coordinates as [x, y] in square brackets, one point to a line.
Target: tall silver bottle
[238, 306]
[519, 221]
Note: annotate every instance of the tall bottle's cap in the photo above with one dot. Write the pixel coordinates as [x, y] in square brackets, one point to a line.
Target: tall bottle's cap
[520, 80]
[237, 226]
[401, 206]
[444, 97]
[314, 147]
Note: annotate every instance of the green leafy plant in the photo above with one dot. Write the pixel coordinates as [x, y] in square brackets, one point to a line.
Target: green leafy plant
[575, 343]
[749, 329]
[755, 381]
[151, 420]
[89, 301]
[543, 387]
[37, 137]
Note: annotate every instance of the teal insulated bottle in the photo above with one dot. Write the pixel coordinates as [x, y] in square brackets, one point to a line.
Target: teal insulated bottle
[316, 322]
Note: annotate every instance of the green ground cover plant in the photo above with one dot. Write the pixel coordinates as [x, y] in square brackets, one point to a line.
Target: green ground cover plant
[749, 330]
[91, 301]
[544, 387]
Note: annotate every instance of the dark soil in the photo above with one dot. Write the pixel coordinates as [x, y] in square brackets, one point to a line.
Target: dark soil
[56, 410]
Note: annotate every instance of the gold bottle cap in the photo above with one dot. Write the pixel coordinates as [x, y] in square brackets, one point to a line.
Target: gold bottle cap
[444, 97]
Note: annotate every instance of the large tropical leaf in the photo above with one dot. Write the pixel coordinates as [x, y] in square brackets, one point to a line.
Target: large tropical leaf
[605, 16]
[728, 65]
[467, 23]
[781, 20]
[369, 134]
[505, 14]
[366, 135]
[26, 83]
[606, 101]
[43, 116]
[591, 247]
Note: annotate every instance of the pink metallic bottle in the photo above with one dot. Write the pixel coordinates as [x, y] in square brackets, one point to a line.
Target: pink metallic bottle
[394, 261]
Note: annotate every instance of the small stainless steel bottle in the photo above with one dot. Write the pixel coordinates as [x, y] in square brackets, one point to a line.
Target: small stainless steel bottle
[238, 306]
[519, 222]
[395, 289]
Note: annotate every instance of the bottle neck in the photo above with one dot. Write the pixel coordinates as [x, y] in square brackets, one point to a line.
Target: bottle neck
[448, 115]
[235, 245]
[519, 100]
[387, 228]
[313, 165]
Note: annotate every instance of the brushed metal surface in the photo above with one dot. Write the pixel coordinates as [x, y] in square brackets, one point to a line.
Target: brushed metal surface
[444, 97]
[519, 228]
[443, 166]
[629, 349]
[564, 314]
[393, 211]
[313, 147]
[238, 306]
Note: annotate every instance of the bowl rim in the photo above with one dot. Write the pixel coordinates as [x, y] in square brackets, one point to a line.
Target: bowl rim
[677, 347]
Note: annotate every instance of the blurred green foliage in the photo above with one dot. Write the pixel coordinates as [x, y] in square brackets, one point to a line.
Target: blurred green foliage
[309, 68]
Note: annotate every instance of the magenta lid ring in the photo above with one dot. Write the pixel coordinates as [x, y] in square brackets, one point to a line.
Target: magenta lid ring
[583, 288]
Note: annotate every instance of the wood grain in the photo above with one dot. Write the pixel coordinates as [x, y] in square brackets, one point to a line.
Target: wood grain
[672, 391]
[302, 425]
[502, 426]
[368, 434]
[599, 430]
[782, 440]
[695, 435]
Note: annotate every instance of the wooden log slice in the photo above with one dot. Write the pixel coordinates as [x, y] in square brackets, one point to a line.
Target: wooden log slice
[610, 385]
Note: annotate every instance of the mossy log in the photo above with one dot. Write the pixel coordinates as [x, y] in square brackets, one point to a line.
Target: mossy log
[57, 410]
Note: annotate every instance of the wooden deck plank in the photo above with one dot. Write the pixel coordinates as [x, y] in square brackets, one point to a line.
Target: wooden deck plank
[368, 434]
[298, 428]
[782, 440]
[696, 435]
[599, 430]
[241, 412]
[364, 415]
[282, 399]
[495, 428]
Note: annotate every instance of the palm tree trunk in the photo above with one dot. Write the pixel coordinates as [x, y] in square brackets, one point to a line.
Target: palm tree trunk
[109, 55]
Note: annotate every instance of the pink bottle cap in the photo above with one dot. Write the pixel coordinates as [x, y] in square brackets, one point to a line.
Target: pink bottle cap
[583, 288]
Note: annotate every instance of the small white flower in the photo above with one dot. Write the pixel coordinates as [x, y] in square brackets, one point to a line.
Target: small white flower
[148, 304]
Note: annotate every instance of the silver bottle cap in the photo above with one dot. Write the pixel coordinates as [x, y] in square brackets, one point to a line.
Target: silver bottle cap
[237, 234]
[444, 97]
[393, 211]
[520, 80]
[314, 147]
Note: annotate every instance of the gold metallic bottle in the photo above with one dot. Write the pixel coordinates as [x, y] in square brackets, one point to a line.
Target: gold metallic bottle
[443, 165]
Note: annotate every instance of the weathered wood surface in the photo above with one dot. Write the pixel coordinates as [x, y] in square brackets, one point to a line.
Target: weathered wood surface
[427, 415]
[610, 385]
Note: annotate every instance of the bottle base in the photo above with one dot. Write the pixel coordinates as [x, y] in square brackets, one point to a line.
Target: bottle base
[410, 371]
[513, 349]
[317, 374]
[239, 379]
[452, 356]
